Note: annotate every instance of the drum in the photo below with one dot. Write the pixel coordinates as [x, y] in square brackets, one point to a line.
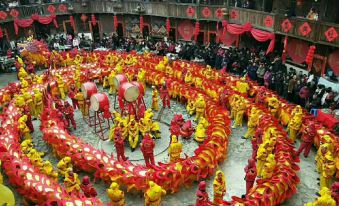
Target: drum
[119, 79]
[141, 87]
[99, 102]
[129, 92]
[88, 89]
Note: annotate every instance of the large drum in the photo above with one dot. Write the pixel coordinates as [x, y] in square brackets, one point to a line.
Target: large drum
[119, 79]
[99, 102]
[141, 88]
[129, 92]
[88, 89]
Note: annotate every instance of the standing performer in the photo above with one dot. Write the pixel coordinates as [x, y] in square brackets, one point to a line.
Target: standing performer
[116, 195]
[111, 82]
[61, 86]
[155, 99]
[69, 115]
[147, 148]
[251, 174]
[164, 95]
[72, 95]
[174, 149]
[154, 194]
[200, 106]
[88, 188]
[133, 133]
[38, 102]
[219, 188]
[202, 195]
[307, 140]
[81, 102]
[119, 145]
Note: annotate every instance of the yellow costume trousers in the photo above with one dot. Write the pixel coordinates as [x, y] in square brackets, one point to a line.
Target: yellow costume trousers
[250, 132]
[133, 141]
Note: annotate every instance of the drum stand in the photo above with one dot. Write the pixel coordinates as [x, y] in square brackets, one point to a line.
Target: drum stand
[98, 122]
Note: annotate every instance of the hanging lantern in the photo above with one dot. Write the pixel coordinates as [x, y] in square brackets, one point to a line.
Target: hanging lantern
[115, 22]
[141, 24]
[310, 55]
[197, 30]
[71, 19]
[168, 26]
[94, 20]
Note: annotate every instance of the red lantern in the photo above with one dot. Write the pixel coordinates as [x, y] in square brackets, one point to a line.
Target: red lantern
[14, 13]
[62, 8]
[206, 12]
[94, 20]
[310, 55]
[190, 11]
[305, 29]
[168, 26]
[141, 24]
[286, 25]
[115, 22]
[197, 30]
[71, 19]
[3, 15]
[331, 34]
[51, 9]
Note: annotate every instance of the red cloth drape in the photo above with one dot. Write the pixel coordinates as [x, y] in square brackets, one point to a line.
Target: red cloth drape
[263, 36]
[24, 23]
[238, 29]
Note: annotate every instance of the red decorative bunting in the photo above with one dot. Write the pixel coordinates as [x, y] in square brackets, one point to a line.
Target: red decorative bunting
[190, 11]
[206, 12]
[168, 26]
[268, 21]
[83, 18]
[115, 22]
[219, 13]
[286, 25]
[331, 34]
[224, 25]
[94, 20]
[63, 8]
[14, 13]
[3, 15]
[234, 14]
[305, 29]
[51, 9]
[141, 24]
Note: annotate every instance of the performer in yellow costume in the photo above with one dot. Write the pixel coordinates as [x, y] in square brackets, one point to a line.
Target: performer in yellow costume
[23, 128]
[72, 181]
[269, 167]
[274, 106]
[155, 99]
[116, 195]
[47, 169]
[154, 194]
[325, 199]
[240, 109]
[200, 132]
[111, 82]
[219, 188]
[252, 123]
[175, 149]
[64, 165]
[262, 154]
[200, 106]
[190, 107]
[133, 133]
[7, 196]
[38, 102]
[242, 86]
[81, 102]
[328, 171]
[61, 86]
[294, 126]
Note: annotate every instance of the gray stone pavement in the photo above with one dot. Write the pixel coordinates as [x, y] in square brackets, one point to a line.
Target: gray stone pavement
[239, 151]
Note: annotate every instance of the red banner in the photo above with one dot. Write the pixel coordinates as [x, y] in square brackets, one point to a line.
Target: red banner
[297, 50]
[263, 36]
[238, 29]
[186, 30]
[333, 61]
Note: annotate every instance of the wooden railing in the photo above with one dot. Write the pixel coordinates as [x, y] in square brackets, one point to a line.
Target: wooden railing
[256, 18]
[171, 9]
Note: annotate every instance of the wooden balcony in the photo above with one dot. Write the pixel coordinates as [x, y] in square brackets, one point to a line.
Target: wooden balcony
[261, 20]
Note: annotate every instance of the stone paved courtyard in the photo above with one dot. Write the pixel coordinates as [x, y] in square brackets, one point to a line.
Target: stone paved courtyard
[233, 167]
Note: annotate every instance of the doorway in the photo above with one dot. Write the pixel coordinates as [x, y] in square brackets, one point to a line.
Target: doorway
[68, 29]
[145, 31]
[200, 39]
[120, 30]
[212, 37]
[173, 35]
[42, 31]
[95, 29]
